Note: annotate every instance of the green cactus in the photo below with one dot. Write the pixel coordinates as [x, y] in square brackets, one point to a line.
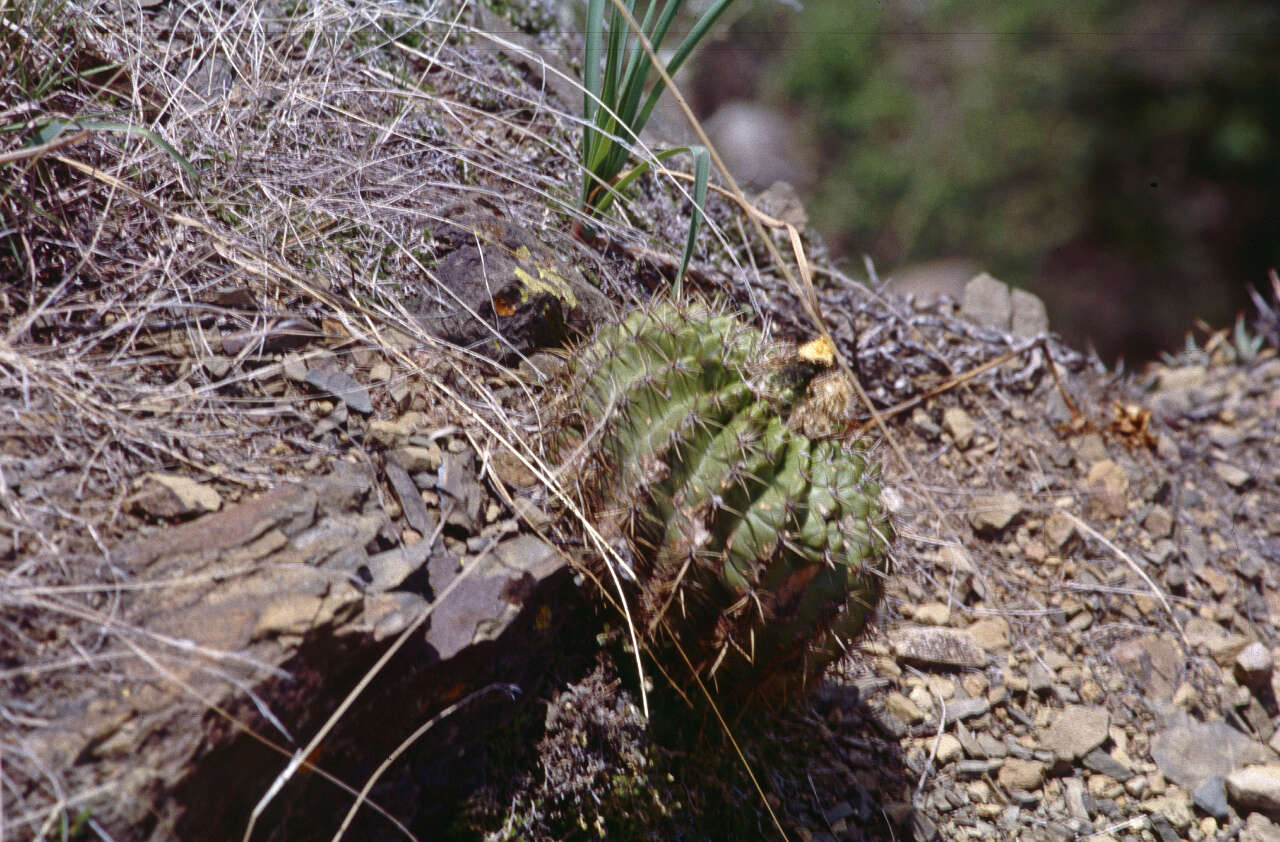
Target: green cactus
[754, 523]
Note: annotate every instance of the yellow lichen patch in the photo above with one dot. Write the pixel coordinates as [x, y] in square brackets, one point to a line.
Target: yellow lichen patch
[818, 352]
[548, 280]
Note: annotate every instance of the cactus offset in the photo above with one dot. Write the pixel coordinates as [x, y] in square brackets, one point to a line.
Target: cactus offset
[756, 530]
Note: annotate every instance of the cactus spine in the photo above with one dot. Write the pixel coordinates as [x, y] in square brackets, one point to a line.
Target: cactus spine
[755, 527]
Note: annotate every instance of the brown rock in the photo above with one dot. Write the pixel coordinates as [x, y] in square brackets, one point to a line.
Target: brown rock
[942, 646]
[1076, 731]
[1021, 774]
[1108, 487]
[989, 514]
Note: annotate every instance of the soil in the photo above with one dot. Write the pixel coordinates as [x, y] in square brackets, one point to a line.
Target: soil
[213, 389]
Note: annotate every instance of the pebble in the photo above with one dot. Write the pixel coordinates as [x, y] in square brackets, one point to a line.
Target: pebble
[961, 709]
[1253, 665]
[990, 514]
[1021, 774]
[1211, 797]
[1255, 787]
[1104, 764]
[1189, 752]
[991, 633]
[1258, 828]
[1232, 475]
[1107, 486]
[959, 425]
[1076, 731]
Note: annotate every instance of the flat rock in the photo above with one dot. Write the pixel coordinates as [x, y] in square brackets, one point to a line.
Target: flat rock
[959, 425]
[989, 514]
[987, 302]
[172, 495]
[1190, 751]
[1211, 796]
[343, 387]
[1255, 788]
[1253, 665]
[990, 633]
[1258, 828]
[938, 646]
[1107, 486]
[1076, 731]
[1021, 774]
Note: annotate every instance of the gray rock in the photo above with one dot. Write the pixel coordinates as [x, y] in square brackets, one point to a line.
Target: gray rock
[1076, 731]
[1155, 661]
[1258, 828]
[1253, 665]
[415, 511]
[989, 514]
[343, 387]
[961, 709]
[1232, 475]
[1211, 797]
[1188, 752]
[390, 568]
[936, 646]
[987, 302]
[1255, 788]
[1104, 764]
[1030, 317]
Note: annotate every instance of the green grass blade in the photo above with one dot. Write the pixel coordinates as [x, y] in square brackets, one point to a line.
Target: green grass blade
[686, 48]
[57, 127]
[701, 172]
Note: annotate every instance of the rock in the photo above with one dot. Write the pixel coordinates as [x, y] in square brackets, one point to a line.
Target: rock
[389, 569]
[1255, 788]
[1104, 764]
[903, 708]
[1059, 528]
[961, 709]
[1232, 475]
[1253, 666]
[987, 302]
[1159, 522]
[1175, 808]
[1107, 486]
[989, 514]
[1211, 797]
[343, 387]
[391, 434]
[991, 633]
[937, 646]
[171, 495]
[1021, 774]
[415, 511]
[1030, 317]
[932, 614]
[959, 426]
[1076, 731]
[414, 459]
[1188, 752]
[949, 749]
[457, 479]
[1258, 828]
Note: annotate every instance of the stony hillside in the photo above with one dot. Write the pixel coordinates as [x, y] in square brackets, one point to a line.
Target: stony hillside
[284, 554]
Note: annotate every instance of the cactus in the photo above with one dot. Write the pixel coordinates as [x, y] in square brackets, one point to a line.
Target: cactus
[754, 525]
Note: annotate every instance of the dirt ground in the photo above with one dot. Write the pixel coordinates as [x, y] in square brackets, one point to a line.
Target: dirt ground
[288, 328]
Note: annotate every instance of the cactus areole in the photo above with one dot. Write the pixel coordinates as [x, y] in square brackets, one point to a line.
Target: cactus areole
[753, 523]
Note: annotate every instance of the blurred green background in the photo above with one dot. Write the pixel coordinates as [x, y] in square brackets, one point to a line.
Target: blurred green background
[1121, 160]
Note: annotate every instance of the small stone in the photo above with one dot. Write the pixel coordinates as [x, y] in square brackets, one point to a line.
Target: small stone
[959, 425]
[1190, 751]
[949, 749]
[933, 614]
[1021, 774]
[413, 458]
[934, 645]
[173, 495]
[1232, 475]
[1104, 764]
[1107, 485]
[903, 708]
[1255, 788]
[978, 767]
[1175, 808]
[1076, 731]
[991, 633]
[1059, 528]
[1187, 377]
[1039, 679]
[1253, 665]
[1217, 582]
[1030, 316]
[1104, 786]
[990, 514]
[988, 302]
[1158, 522]
[960, 709]
[343, 387]
[380, 372]
[294, 368]
[1258, 828]
[1211, 797]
